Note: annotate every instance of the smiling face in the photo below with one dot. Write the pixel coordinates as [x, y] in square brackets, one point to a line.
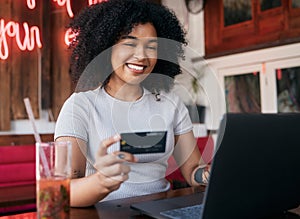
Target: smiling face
[134, 55]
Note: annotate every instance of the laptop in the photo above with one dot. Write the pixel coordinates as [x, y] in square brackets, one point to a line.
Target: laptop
[255, 171]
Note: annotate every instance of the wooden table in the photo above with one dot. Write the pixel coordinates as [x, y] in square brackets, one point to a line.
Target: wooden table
[119, 208]
[17, 195]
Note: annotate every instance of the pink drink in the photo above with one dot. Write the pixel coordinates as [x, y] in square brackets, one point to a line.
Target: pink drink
[53, 198]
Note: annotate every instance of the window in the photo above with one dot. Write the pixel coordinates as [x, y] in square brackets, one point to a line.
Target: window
[266, 81]
[234, 26]
[288, 89]
[269, 4]
[242, 93]
[237, 11]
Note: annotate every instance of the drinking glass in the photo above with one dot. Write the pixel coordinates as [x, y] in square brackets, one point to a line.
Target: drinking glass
[53, 174]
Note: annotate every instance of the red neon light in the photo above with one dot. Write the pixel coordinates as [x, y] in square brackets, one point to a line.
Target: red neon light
[31, 4]
[32, 35]
[12, 29]
[69, 37]
[279, 74]
[91, 2]
[68, 4]
[263, 68]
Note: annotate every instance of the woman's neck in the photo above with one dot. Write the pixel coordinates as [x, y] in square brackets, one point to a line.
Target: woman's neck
[125, 92]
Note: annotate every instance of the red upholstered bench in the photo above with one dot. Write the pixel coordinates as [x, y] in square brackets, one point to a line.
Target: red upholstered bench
[173, 174]
[17, 168]
[17, 165]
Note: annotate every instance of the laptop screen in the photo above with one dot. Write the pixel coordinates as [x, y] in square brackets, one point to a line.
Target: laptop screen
[255, 171]
[256, 168]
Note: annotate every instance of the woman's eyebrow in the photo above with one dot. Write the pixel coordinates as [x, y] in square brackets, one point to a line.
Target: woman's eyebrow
[135, 38]
[129, 37]
[153, 41]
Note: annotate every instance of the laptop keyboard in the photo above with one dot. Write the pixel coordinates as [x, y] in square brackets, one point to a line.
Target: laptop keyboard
[190, 212]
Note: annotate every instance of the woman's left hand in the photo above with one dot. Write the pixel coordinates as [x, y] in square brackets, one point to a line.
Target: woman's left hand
[206, 174]
[201, 174]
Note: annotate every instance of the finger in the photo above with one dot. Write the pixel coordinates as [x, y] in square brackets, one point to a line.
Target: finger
[124, 156]
[115, 174]
[114, 170]
[205, 176]
[116, 180]
[106, 143]
[106, 160]
[110, 182]
[113, 158]
[122, 177]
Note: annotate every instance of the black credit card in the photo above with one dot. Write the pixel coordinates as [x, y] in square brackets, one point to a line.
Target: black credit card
[143, 142]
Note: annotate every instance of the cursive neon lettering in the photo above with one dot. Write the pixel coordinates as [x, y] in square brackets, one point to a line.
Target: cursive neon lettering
[69, 37]
[31, 4]
[12, 29]
[68, 5]
[3, 41]
[29, 38]
[91, 2]
[32, 34]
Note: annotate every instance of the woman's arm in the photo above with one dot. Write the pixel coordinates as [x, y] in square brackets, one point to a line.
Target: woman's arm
[83, 189]
[86, 191]
[188, 157]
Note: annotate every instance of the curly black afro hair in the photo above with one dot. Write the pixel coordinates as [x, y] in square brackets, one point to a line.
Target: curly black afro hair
[100, 26]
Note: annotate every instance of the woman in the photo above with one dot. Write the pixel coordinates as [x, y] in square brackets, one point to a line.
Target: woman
[124, 60]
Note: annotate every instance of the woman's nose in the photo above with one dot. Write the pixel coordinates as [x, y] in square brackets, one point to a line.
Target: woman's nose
[139, 52]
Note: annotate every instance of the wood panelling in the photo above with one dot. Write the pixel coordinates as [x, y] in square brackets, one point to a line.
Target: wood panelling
[32, 73]
[23, 139]
[5, 75]
[268, 28]
[46, 56]
[42, 75]
[25, 70]
[61, 82]
[19, 72]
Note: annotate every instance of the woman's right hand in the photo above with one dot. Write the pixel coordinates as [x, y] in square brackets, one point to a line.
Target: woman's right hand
[112, 170]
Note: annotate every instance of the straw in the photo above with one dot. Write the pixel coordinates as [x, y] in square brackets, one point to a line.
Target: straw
[36, 135]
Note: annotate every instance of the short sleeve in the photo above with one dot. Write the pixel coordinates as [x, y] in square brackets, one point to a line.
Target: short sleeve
[182, 120]
[73, 118]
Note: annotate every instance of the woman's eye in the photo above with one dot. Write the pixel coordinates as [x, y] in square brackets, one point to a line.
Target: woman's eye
[152, 47]
[130, 44]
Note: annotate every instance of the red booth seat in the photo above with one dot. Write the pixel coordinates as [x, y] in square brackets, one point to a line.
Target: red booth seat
[173, 174]
[17, 165]
[17, 168]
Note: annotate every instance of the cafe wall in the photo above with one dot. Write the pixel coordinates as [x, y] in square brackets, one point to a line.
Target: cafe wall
[34, 57]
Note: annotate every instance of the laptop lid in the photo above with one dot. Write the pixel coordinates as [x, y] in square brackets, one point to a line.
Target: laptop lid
[255, 170]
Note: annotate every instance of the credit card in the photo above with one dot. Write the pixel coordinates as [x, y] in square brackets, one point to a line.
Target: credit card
[143, 142]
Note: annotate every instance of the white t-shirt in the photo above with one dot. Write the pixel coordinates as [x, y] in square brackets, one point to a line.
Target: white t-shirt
[95, 115]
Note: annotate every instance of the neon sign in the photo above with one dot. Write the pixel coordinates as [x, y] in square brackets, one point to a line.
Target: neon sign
[12, 29]
[31, 4]
[31, 35]
[91, 2]
[68, 6]
[67, 3]
[69, 37]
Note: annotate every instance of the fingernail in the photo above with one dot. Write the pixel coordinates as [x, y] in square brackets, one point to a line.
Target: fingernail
[117, 137]
[121, 156]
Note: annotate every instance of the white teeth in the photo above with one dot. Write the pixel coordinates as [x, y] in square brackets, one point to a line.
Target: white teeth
[135, 67]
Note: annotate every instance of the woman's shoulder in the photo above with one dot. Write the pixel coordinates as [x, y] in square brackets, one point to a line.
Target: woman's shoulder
[80, 98]
[86, 94]
[170, 95]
